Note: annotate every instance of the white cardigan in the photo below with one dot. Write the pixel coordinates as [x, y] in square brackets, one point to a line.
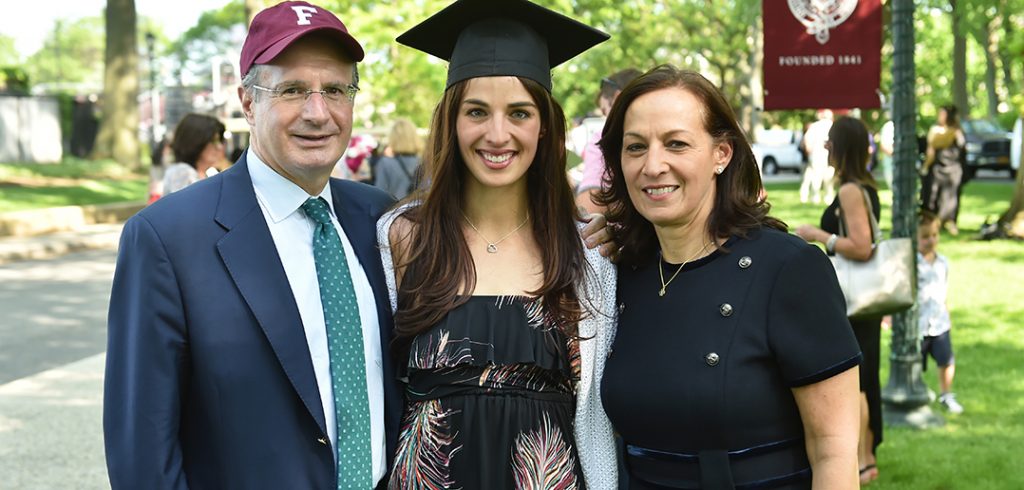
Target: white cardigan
[594, 440]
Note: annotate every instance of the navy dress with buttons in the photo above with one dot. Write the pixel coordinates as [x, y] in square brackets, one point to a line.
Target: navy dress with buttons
[698, 383]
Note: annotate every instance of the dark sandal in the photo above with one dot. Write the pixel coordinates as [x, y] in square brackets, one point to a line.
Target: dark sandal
[868, 474]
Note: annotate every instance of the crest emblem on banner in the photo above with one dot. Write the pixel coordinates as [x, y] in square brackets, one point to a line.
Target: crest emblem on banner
[820, 16]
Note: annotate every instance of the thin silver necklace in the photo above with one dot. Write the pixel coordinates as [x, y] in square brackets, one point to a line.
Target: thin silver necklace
[492, 247]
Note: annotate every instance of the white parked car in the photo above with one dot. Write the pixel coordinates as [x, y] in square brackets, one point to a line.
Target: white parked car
[778, 149]
[1016, 140]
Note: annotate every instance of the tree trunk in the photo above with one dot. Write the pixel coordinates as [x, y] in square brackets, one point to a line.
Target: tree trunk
[960, 99]
[1013, 219]
[119, 125]
[991, 43]
[1005, 56]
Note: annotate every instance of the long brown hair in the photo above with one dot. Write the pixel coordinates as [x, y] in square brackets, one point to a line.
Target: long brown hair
[848, 151]
[439, 273]
[738, 206]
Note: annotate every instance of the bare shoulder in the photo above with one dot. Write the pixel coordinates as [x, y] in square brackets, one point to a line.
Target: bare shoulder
[851, 195]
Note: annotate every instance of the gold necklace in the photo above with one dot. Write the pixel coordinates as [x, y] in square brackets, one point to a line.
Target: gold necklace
[661, 274]
[492, 247]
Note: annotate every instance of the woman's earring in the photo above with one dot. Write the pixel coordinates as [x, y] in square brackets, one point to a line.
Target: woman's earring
[719, 169]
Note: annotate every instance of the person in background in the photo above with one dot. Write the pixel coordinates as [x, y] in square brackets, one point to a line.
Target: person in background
[846, 230]
[818, 174]
[578, 136]
[943, 170]
[357, 157]
[397, 173]
[1016, 144]
[159, 159]
[593, 162]
[933, 312]
[198, 146]
[502, 317]
[733, 364]
[886, 141]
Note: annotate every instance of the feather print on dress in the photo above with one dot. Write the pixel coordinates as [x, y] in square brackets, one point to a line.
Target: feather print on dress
[448, 353]
[537, 317]
[424, 449]
[541, 459]
[515, 375]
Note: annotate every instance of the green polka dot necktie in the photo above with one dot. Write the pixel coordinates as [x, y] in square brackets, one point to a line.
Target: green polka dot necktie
[345, 346]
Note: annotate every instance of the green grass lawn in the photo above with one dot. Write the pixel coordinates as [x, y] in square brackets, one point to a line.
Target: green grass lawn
[73, 182]
[978, 449]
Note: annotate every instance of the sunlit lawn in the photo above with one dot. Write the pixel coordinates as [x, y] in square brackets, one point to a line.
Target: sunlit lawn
[981, 448]
[73, 182]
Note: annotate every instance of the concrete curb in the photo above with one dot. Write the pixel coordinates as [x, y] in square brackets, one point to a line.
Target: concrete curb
[34, 222]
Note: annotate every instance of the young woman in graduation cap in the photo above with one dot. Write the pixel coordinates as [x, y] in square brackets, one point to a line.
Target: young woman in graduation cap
[502, 316]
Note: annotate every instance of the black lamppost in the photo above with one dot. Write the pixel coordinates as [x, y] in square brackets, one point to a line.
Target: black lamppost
[905, 398]
[154, 101]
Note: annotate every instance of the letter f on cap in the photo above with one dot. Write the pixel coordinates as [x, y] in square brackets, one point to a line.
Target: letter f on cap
[303, 13]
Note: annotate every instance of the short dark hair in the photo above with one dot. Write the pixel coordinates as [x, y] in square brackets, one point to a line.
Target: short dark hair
[617, 81]
[192, 134]
[926, 218]
[739, 207]
[952, 115]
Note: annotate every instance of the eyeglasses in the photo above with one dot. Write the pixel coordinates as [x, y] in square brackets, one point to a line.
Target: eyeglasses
[345, 93]
[610, 83]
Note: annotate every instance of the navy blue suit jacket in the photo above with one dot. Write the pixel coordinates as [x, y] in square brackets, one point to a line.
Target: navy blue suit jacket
[209, 381]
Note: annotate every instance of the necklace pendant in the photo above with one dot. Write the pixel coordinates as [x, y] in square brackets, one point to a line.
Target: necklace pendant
[662, 292]
[492, 248]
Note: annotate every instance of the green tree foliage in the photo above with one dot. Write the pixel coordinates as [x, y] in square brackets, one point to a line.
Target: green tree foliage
[712, 36]
[720, 38]
[214, 34]
[8, 53]
[13, 80]
[71, 57]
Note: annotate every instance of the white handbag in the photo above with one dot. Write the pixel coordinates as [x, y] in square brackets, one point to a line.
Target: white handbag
[883, 284]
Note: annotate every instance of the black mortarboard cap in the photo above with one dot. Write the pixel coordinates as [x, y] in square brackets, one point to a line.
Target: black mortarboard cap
[482, 38]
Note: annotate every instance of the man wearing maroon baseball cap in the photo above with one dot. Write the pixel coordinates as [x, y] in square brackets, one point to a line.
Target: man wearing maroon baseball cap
[249, 318]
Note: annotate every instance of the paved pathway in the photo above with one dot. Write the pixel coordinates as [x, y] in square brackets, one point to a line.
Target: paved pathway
[54, 311]
[51, 435]
[52, 339]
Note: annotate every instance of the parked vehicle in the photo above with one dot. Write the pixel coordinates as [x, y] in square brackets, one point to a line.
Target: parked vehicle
[988, 147]
[778, 149]
[1016, 140]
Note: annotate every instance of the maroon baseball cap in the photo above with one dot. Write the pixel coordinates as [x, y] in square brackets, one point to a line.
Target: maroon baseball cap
[277, 27]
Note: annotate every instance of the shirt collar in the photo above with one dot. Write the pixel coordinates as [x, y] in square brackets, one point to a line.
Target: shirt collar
[281, 196]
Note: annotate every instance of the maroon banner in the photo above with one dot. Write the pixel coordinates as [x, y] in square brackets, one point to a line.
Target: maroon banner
[822, 54]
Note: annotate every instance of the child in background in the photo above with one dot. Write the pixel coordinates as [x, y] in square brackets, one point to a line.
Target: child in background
[933, 319]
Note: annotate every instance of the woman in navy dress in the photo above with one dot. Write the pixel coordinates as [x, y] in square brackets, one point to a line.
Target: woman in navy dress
[733, 364]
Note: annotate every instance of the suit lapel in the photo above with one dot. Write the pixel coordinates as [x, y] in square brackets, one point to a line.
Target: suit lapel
[249, 253]
[359, 226]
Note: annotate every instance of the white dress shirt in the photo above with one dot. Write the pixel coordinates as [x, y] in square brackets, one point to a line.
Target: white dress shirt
[932, 285]
[292, 231]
